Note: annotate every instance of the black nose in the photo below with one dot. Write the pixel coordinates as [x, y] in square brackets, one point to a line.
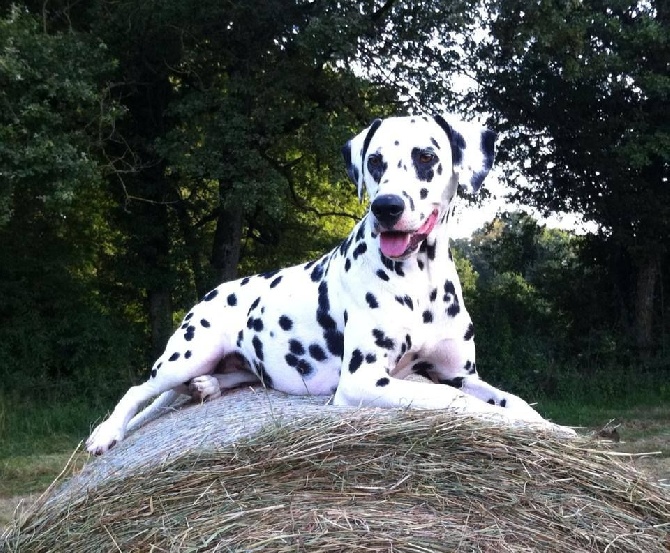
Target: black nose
[388, 209]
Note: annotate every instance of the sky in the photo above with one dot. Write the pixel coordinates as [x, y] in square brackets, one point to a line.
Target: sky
[468, 218]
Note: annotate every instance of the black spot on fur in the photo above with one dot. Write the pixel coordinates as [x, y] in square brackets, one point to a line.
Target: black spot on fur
[370, 358]
[245, 280]
[209, 296]
[346, 317]
[355, 361]
[174, 356]
[433, 295]
[269, 274]
[258, 347]
[325, 320]
[240, 336]
[154, 372]
[188, 354]
[469, 333]
[188, 317]
[254, 305]
[427, 316]
[275, 282]
[410, 200]
[491, 401]
[382, 274]
[347, 264]
[503, 403]
[372, 301]
[296, 347]
[309, 264]
[285, 323]
[382, 382]
[324, 302]
[291, 360]
[405, 300]
[430, 250]
[360, 249]
[317, 273]
[451, 298]
[360, 233]
[317, 353]
[334, 342]
[344, 246]
[394, 266]
[453, 382]
[304, 368]
[382, 340]
[231, 299]
[190, 333]
[205, 323]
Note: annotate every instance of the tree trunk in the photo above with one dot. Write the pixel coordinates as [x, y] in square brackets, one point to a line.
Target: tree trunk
[160, 319]
[227, 244]
[192, 249]
[643, 311]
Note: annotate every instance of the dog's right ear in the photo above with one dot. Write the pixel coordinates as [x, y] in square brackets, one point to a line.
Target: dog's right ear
[354, 155]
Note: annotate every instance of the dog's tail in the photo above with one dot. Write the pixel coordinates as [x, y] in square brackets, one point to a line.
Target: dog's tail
[155, 409]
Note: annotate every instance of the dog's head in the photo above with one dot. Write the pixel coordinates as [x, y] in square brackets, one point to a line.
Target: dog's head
[411, 167]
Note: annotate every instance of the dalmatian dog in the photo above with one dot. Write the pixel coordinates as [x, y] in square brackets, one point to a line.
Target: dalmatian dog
[382, 305]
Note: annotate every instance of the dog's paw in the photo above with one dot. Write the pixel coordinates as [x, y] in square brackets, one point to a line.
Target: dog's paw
[517, 409]
[204, 388]
[105, 436]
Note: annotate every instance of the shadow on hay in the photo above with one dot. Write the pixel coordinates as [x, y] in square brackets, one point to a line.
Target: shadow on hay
[261, 471]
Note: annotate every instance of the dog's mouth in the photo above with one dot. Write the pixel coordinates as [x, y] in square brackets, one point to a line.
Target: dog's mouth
[395, 243]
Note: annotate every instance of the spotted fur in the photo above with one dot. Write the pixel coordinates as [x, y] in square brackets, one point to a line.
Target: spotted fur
[384, 304]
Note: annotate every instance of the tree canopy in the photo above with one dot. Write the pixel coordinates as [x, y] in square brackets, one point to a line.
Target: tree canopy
[581, 91]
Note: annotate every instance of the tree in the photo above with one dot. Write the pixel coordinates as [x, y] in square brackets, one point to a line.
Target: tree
[580, 90]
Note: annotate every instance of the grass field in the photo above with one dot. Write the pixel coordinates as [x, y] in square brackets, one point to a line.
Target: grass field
[32, 460]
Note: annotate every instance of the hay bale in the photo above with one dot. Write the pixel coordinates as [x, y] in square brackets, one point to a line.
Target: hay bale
[267, 472]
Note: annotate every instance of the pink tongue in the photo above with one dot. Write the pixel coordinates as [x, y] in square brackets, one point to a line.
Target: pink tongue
[393, 244]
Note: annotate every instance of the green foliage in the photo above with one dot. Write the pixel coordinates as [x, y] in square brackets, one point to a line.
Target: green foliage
[580, 90]
[544, 317]
[54, 114]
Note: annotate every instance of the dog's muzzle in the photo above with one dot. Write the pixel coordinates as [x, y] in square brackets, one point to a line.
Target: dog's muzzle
[388, 210]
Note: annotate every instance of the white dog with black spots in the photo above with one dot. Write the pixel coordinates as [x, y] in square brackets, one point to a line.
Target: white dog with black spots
[384, 304]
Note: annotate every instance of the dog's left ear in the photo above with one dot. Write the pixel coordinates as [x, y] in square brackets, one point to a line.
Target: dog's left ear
[472, 151]
[354, 155]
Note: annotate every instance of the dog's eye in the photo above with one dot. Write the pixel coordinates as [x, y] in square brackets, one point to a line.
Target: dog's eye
[375, 160]
[426, 157]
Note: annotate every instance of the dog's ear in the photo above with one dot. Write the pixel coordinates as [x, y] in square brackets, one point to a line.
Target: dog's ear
[354, 155]
[472, 151]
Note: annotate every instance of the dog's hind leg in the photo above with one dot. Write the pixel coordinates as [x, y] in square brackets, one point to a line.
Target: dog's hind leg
[154, 410]
[180, 363]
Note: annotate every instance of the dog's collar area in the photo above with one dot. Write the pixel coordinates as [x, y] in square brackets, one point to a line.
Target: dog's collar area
[397, 244]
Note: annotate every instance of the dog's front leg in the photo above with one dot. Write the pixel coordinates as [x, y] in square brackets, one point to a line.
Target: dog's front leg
[369, 356]
[452, 362]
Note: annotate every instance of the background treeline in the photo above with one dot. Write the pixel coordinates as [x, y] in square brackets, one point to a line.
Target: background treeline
[151, 149]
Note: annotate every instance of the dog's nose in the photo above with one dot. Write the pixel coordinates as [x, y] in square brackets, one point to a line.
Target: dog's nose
[388, 209]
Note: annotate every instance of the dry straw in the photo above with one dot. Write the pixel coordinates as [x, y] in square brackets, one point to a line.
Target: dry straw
[364, 480]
